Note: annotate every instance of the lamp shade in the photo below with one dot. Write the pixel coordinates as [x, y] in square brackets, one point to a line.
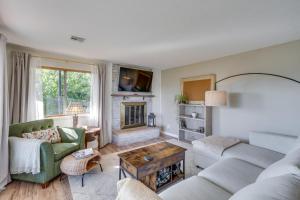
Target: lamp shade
[75, 108]
[215, 98]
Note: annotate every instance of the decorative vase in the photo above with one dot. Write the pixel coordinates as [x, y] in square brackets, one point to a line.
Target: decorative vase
[194, 114]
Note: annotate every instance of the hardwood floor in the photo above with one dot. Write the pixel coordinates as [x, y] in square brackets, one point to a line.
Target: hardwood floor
[59, 190]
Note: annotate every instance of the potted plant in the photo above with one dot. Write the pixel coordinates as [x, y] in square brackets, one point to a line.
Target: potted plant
[181, 99]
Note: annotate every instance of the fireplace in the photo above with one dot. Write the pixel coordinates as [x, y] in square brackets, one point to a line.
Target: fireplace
[133, 114]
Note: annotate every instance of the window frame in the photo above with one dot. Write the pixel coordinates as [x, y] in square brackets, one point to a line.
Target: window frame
[65, 70]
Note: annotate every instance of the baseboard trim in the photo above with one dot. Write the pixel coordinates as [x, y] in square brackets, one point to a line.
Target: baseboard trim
[169, 134]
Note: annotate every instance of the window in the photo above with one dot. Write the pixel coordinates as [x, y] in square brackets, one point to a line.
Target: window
[62, 86]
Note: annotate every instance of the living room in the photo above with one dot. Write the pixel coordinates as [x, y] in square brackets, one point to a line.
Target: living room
[150, 100]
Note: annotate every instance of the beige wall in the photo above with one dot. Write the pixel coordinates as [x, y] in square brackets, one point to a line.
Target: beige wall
[272, 94]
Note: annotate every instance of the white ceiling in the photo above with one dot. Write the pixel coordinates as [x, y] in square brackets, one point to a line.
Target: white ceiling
[154, 33]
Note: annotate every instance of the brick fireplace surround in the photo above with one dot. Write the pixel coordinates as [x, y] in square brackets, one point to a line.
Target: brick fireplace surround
[130, 134]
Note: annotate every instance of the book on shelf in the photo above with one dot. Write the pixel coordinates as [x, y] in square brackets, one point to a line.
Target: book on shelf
[84, 153]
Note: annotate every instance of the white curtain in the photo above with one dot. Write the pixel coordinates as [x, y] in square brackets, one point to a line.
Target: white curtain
[35, 91]
[99, 109]
[4, 116]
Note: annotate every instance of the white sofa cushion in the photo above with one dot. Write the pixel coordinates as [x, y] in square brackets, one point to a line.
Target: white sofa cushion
[285, 187]
[288, 165]
[195, 188]
[231, 174]
[279, 142]
[257, 155]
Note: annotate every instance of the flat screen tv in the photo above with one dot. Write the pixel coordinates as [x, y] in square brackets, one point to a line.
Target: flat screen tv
[134, 80]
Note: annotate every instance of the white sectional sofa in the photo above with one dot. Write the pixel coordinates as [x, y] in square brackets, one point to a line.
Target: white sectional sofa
[264, 148]
[243, 172]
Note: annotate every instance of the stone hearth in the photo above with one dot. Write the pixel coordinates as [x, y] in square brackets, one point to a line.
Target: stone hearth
[133, 135]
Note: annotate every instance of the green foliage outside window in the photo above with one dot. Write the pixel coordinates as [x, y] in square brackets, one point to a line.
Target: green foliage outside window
[60, 87]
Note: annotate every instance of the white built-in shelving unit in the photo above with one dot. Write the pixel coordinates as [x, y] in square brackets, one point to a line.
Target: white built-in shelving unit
[195, 127]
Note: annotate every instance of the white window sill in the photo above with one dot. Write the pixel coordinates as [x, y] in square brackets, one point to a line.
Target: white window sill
[67, 116]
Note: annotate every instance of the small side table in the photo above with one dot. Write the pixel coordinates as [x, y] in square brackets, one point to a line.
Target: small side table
[91, 134]
[73, 167]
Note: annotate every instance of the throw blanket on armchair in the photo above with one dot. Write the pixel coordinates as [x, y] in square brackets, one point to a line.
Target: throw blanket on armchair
[24, 155]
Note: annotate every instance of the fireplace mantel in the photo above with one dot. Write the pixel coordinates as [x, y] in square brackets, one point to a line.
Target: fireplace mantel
[132, 95]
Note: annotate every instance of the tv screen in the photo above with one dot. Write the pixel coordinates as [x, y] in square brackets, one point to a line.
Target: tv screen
[134, 80]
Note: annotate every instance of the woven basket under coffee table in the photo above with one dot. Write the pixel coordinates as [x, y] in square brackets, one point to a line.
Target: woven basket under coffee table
[79, 167]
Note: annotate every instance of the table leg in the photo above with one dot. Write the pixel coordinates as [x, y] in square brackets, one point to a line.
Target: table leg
[183, 168]
[100, 167]
[124, 173]
[82, 183]
[120, 176]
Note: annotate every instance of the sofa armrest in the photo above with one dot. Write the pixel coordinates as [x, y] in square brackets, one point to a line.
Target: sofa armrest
[134, 190]
[47, 160]
[274, 141]
[70, 135]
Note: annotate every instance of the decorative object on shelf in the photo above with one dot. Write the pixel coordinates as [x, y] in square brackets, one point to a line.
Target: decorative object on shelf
[151, 120]
[75, 108]
[215, 98]
[201, 129]
[182, 123]
[194, 114]
[181, 99]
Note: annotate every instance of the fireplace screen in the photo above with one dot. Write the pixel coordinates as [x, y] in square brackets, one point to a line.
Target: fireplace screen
[133, 114]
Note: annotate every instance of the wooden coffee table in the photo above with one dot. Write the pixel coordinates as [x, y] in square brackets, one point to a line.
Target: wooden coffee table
[166, 167]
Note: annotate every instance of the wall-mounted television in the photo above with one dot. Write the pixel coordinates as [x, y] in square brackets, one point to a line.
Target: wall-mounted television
[135, 80]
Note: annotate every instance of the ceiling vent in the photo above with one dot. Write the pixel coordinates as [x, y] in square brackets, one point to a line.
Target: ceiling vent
[77, 39]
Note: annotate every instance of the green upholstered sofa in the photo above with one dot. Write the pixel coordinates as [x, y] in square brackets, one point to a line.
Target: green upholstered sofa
[51, 154]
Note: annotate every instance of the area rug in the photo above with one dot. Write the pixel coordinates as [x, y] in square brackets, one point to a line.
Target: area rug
[103, 185]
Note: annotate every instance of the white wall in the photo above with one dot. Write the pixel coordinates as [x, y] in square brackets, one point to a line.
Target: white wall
[256, 102]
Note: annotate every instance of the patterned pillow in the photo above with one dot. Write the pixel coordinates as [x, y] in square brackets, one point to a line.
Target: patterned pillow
[50, 135]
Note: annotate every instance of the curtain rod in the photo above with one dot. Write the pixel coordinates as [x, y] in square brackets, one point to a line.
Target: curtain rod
[64, 60]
